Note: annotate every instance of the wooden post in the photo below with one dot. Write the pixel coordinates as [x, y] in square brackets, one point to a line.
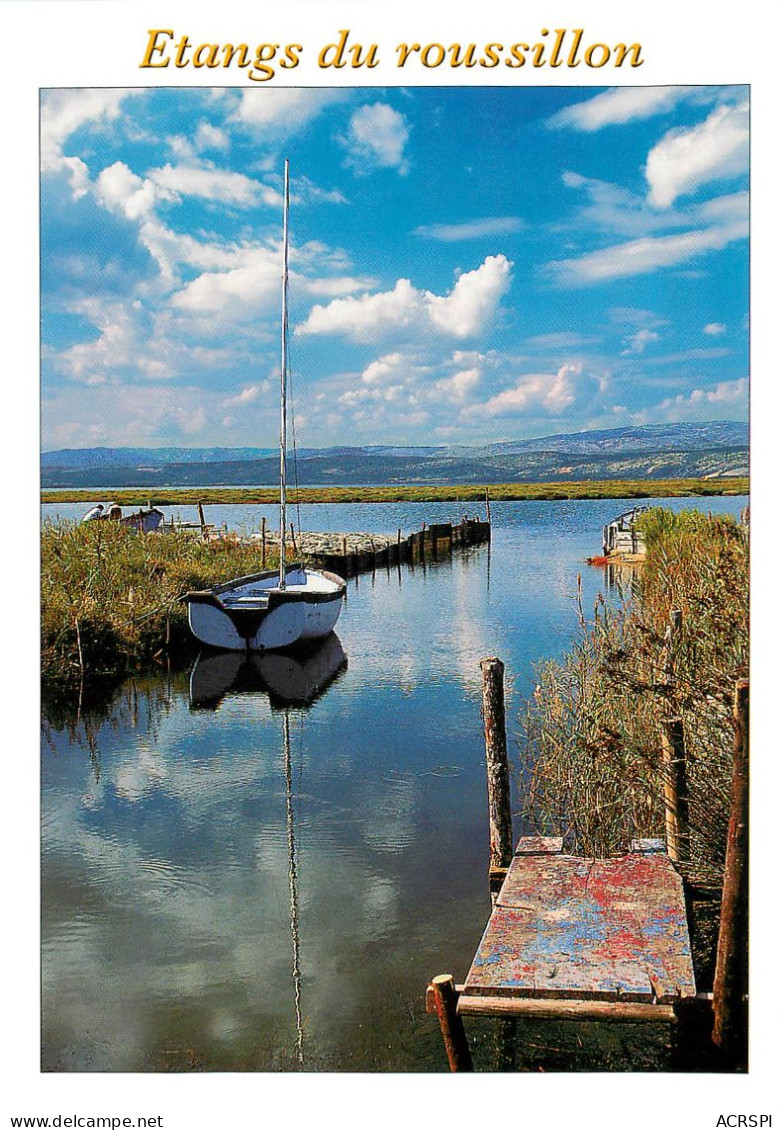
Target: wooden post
[486, 502]
[201, 518]
[293, 539]
[501, 847]
[263, 543]
[675, 790]
[451, 1026]
[729, 1031]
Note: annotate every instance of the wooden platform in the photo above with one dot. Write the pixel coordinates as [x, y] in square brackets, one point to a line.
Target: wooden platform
[584, 937]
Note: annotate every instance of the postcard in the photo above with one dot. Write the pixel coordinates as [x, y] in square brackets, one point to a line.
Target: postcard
[391, 538]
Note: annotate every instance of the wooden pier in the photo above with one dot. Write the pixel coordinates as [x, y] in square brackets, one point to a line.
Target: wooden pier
[580, 939]
[350, 554]
[570, 938]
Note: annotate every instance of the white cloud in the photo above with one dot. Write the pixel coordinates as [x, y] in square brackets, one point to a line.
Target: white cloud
[638, 342]
[211, 183]
[247, 395]
[465, 311]
[280, 111]
[121, 191]
[685, 159]
[376, 139]
[210, 137]
[473, 300]
[124, 340]
[618, 106]
[571, 388]
[65, 111]
[642, 256]
[244, 291]
[714, 329]
[458, 388]
[703, 402]
[470, 229]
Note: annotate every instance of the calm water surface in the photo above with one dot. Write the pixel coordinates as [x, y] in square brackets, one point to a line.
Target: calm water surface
[261, 868]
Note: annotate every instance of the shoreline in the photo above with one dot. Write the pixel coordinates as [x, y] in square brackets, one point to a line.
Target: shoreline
[498, 492]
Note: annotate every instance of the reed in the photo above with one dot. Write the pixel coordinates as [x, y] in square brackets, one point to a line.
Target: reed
[544, 492]
[110, 598]
[591, 734]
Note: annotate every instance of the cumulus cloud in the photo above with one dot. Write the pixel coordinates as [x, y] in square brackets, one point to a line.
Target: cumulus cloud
[65, 111]
[279, 111]
[376, 139]
[714, 329]
[555, 394]
[618, 106]
[122, 191]
[685, 159]
[240, 292]
[124, 341]
[465, 311]
[725, 396]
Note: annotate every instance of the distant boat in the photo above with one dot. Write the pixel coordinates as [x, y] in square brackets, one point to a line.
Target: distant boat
[270, 610]
[142, 521]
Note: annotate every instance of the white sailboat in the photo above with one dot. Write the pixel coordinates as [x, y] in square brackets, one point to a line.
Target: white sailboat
[277, 608]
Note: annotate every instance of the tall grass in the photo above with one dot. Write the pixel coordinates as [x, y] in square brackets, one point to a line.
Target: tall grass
[591, 735]
[110, 597]
[468, 492]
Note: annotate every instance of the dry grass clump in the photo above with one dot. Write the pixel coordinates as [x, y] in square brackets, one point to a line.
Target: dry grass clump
[110, 598]
[592, 731]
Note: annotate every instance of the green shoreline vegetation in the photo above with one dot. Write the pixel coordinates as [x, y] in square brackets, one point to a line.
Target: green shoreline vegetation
[110, 598]
[591, 733]
[498, 492]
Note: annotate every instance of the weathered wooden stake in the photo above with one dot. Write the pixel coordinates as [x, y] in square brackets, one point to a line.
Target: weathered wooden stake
[263, 543]
[451, 1026]
[486, 502]
[675, 790]
[501, 847]
[201, 518]
[729, 1029]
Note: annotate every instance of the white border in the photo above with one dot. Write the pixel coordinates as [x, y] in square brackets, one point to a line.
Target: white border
[49, 43]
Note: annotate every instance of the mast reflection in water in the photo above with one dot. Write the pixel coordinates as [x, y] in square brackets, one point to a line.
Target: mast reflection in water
[295, 679]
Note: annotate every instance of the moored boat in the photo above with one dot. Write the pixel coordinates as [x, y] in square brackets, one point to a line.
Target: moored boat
[275, 609]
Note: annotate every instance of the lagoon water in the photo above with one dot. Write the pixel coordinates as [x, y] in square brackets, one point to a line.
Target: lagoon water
[236, 879]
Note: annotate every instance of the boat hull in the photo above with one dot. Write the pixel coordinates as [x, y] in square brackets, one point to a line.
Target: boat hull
[254, 614]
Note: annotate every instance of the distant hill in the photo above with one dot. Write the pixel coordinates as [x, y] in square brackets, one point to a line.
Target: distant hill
[653, 451]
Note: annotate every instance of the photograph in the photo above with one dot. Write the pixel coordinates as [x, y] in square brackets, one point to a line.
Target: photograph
[381, 437]
[394, 578]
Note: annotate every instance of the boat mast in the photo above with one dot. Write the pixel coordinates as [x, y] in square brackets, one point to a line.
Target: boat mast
[283, 372]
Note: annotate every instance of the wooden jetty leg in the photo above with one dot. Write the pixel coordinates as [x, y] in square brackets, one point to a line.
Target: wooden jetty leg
[729, 1031]
[451, 1026]
[675, 790]
[501, 845]
[201, 518]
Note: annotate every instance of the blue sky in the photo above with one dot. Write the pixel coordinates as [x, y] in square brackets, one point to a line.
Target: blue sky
[467, 265]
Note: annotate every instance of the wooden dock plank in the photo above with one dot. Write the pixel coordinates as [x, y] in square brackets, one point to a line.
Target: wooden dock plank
[600, 929]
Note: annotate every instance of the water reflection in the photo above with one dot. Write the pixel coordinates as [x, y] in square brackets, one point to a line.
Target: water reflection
[258, 866]
[288, 678]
